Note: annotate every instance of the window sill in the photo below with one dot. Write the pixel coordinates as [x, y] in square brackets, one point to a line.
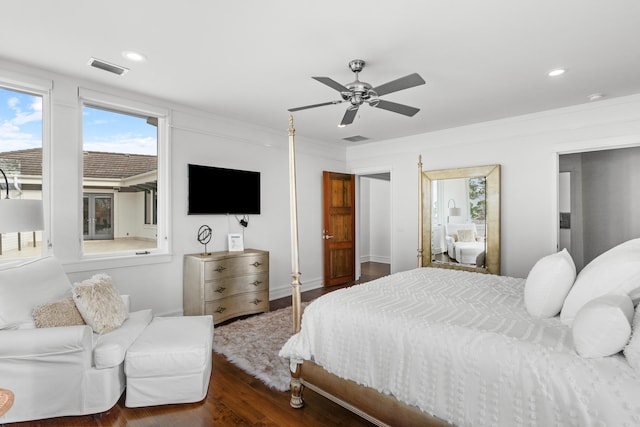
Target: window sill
[118, 261]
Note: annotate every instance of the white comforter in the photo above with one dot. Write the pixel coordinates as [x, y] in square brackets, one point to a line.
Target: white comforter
[461, 346]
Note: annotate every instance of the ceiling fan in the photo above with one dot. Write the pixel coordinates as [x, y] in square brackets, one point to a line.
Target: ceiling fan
[358, 93]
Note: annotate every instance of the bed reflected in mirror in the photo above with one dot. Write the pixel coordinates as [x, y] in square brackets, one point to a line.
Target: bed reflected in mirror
[460, 218]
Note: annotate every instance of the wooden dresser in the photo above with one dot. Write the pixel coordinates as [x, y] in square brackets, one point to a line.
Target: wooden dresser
[226, 284]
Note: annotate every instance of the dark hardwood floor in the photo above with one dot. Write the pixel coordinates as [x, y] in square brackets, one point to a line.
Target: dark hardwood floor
[234, 397]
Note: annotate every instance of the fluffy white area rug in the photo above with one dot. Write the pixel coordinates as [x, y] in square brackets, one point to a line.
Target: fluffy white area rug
[253, 344]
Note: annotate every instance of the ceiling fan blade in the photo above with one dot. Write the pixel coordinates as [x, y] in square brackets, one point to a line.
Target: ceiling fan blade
[349, 115]
[399, 84]
[314, 105]
[332, 84]
[395, 107]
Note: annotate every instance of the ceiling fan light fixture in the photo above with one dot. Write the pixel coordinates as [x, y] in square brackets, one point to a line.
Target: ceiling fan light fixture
[358, 93]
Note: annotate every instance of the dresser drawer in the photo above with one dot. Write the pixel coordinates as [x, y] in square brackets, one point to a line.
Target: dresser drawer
[237, 305]
[229, 267]
[222, 288]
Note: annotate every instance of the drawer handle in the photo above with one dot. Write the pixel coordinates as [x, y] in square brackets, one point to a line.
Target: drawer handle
[220, 309]
[220, 289]
[257, 264]
[220, 269]
[256, 301]
[256, 283]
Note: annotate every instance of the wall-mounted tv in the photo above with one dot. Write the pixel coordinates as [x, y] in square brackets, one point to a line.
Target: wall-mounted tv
[214, 190]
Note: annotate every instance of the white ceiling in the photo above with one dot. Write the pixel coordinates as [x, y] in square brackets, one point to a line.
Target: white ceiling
[251, 60]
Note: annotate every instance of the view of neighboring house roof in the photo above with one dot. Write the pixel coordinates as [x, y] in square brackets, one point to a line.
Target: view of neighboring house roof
[24, 162]
[96, 164]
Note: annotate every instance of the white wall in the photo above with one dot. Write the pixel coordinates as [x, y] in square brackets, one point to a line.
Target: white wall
[611, 204]
[196, 137]
[526, 147]
[564, 205]
[364, 225]
[375, 222]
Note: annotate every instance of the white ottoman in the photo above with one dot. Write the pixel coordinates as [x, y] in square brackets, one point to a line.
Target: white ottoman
[170, 362]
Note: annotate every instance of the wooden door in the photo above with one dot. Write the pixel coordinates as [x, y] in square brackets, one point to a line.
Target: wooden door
[338, 227]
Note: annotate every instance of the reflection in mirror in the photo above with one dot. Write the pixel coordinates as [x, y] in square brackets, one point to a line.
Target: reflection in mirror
[458, 227]
[460, 218]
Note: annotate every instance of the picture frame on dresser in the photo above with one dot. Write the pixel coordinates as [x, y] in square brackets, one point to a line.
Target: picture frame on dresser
[236, 242]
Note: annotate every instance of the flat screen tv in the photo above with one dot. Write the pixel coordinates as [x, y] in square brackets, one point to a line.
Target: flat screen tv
[214, 190]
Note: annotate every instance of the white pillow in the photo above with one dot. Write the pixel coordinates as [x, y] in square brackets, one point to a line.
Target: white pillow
[466, 235]
[615, 271]
[602, 326]
[99, 303]
[28, 285]
[548, 284]
[632, 350]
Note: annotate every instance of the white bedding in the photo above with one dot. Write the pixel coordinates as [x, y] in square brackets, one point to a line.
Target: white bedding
[461, 346]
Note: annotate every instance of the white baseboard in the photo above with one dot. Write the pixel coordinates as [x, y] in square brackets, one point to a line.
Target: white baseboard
[375, 258]
[285, 290]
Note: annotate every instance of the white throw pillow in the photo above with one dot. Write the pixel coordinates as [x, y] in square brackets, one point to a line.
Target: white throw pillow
[632, 350]
[466, 235]
[615, 271]
[548, 284]
[99, 303]
[602, 326]
[28, 285]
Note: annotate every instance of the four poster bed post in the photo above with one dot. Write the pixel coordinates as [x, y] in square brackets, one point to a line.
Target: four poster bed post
[296, 383]
[376, 407]
[420, 214]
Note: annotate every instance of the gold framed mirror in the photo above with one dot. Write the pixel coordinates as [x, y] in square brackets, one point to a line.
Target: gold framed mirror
[460, 218]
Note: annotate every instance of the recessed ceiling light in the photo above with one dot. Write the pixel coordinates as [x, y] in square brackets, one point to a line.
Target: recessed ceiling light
[595, 96]
[134, 56]
[557, 72]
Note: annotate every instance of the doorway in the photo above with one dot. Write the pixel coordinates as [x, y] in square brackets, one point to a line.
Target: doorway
[97, 216]
[374, 223]
[338, 223]
[598, 201]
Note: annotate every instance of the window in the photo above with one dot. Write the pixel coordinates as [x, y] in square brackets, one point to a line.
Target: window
[124, 176]
[21, 154]
[477, 199]
[151, 207]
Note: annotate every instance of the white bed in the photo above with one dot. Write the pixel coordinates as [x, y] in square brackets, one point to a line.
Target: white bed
[461, 346]
[435, 346]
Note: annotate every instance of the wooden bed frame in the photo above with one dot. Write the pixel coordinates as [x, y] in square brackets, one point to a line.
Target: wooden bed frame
[376, 407]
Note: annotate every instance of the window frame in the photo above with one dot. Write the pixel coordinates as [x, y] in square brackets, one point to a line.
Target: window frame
[19, 82]
[151, 207]
[94, 99]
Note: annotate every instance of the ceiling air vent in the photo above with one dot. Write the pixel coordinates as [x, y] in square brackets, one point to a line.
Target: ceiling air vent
[356, 138]
[106, 66]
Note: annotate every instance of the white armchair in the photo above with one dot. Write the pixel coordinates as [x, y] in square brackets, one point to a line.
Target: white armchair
[57, 371]
[464, 250]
